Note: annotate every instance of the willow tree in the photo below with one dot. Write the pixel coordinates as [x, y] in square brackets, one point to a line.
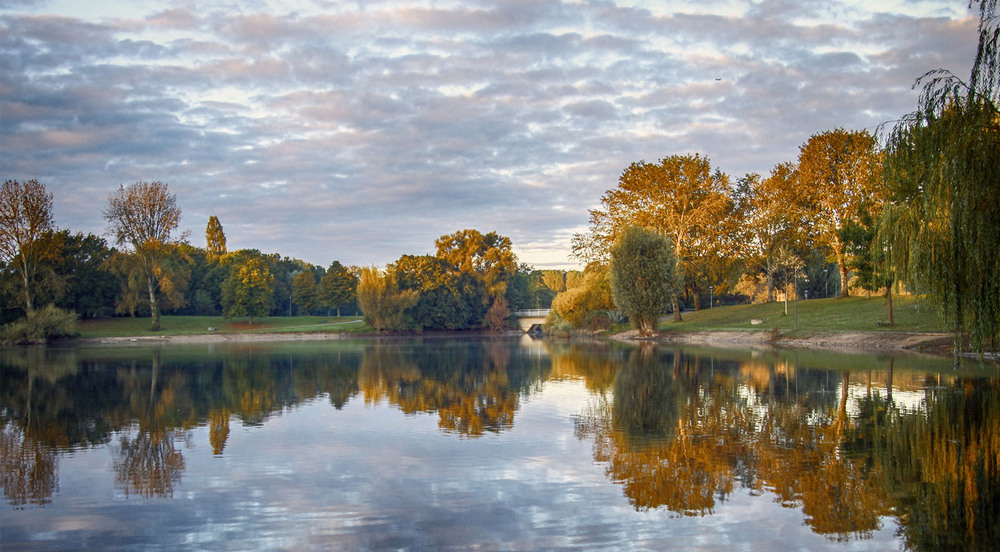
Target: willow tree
[942, 172]
[25, 217]
[144, 215]
[681, 197]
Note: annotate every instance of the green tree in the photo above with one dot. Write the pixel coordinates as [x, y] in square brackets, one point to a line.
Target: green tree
[338, 287]
[643, 277]
[249, 290]
[382, 302]
[680, 197]
[215, 237]
[448, 299]
[305, 292]
[25, 216]
[143, 215]
[487, 257]
[79, 263]
[840, 173]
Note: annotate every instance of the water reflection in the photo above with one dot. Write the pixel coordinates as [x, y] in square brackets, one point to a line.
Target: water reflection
[683, 431]
[850, 441]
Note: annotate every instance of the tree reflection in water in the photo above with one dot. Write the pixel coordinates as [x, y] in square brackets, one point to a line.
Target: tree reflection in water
[848, 445]
[678, 440]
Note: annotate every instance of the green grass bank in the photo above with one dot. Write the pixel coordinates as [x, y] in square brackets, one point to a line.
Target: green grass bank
[856, 314]
[201, 325]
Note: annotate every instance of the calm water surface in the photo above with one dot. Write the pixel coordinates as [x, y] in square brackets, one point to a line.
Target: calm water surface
[507, 444]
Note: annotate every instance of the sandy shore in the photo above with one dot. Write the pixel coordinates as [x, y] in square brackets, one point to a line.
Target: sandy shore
[938, 343]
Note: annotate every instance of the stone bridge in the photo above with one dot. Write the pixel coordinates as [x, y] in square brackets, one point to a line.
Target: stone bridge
[531, 320]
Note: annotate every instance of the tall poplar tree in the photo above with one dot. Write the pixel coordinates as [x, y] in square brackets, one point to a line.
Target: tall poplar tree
[144, 215]
[215, 238]
[942, 171]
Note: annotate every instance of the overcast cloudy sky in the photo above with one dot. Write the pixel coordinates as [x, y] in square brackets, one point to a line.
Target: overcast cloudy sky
[360, 131]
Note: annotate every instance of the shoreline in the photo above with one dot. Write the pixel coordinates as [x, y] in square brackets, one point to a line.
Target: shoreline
[937, 343]
[861, 341]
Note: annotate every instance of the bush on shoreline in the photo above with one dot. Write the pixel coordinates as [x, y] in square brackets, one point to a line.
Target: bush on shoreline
[40, 326]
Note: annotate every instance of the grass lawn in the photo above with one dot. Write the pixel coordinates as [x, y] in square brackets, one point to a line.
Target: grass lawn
[911, 314]
[194, 325]
[851, 314]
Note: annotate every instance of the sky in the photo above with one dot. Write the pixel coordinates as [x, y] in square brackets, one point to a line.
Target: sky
[362, 131]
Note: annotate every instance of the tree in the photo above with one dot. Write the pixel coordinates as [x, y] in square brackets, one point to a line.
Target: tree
[590, 293]
[943, 173]
[79, 263]
[305, 292]
[143, 215]
[489, 257]
[839, 171]
[25, 215]
[249, 290]
[382, 302]
[771, 215]
[554, 280]
[338, 287]
[215, 237]
[680, 197]
[448, 299]
[643, 277]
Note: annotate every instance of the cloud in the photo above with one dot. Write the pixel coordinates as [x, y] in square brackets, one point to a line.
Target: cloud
[363, 131]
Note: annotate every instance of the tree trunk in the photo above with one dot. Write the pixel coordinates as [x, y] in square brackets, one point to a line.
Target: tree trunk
[28, 305]
[770, 282]
[154, 306]
[646, 327]
[843, 278]
[888, 296]
[677, 308]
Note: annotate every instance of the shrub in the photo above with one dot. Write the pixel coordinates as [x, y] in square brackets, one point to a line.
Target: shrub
[41, 325]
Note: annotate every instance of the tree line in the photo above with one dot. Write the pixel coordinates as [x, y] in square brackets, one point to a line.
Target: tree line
[474, 280]
[148, 269]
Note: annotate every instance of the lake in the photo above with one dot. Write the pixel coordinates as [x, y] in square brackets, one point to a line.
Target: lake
[442, 443]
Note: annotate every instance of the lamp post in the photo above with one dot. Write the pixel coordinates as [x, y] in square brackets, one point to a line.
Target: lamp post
[711, 296]
[826, 283]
